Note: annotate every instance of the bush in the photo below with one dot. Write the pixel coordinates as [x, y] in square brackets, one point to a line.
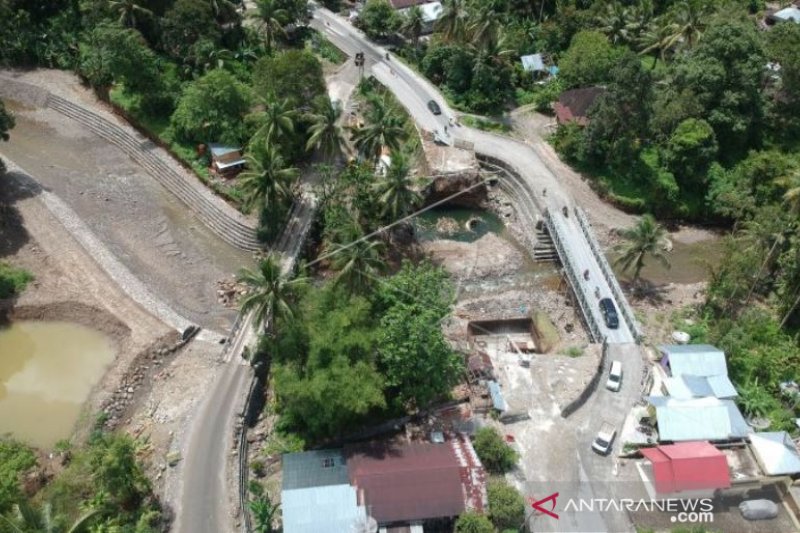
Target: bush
[473, 523]
[13, 280]
[15, 459]
[506, 505]
[497, 456]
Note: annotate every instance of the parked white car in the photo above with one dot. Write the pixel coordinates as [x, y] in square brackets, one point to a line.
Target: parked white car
[614, 381]
[604, 439]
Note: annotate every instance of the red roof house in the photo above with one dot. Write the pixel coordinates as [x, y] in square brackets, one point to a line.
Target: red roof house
[574, 105]
[688, 466]
[417, 481]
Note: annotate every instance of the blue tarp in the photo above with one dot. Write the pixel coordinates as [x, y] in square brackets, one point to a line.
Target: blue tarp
[498, 401]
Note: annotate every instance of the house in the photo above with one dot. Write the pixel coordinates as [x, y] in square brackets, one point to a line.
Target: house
[775, 453]
[316, 494]
[383, 484]
[226, 160]
[574, 105]
[707, 418]
[685, 467]
[696, 371]
[415, 482]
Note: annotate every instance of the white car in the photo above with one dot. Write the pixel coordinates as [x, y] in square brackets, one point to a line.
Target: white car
[614, 381]
[604, 439]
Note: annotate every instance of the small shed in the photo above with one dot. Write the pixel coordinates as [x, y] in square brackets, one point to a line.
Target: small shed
[226, 160]
[498, 402]
[698, 419]
[533, 63]
[693, 360]
[776, 453]
[688, 466]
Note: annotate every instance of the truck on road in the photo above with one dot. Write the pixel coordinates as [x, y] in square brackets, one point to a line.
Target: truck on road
[604, 439]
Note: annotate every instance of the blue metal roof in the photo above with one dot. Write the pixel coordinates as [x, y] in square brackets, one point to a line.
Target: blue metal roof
[685, 387]
[533, 63]
[698, 419]
[322, 509]
[776, 452]
[498, 401]
[316, 468]
[695, 359]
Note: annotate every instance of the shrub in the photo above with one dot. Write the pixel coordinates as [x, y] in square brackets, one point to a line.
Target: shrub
[473, 523]
[13, 280]
[506, 505]
[497, 456]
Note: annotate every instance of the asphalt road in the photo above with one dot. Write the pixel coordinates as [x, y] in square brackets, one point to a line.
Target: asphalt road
[592, 476]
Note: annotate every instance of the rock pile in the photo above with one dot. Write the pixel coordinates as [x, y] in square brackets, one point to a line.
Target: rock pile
[229, 291]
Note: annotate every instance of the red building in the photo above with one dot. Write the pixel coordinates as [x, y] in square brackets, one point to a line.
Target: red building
[688, 466]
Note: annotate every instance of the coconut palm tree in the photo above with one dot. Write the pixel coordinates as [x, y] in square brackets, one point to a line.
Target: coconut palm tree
[26, 518]
[395, 189]
[483, 27]
[614, 22]
[383, 127]
[658, 38]
[273, 17]
[325, 131]
[413, 23]
[452, 22]
[267, 181]
[690, 18]
[271, 295]
[356, 260]
[278, 120]
[645, 238]
[129, 11]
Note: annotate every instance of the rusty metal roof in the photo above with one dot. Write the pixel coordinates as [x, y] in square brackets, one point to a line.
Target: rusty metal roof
[400, 482]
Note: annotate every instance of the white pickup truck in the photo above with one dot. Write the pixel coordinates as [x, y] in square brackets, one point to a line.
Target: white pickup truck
[604, 439]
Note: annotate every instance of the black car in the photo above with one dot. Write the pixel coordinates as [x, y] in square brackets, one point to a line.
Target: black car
[434, 107]
[609, 312]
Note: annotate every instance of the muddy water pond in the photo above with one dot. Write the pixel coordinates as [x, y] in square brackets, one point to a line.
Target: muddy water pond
[47, 370]
[458, 224]
[689, 262]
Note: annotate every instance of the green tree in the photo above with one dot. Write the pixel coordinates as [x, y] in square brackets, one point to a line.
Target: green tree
[273, 17]
[15, 459]
[29, 519]
[724, 73]
[116, 473]
[472, 522]
[791, 184]
[271, 296]
[588, 60]
[293, 75]
[452, 21]
[356, 259]
[497, 456]
[212, 108]
[267, 182]
[690, 18]
[396, 189]
[383, 127]
[277, 121]
[185, 24]
[378, 19]
[413, 24]
[264, 512]
[690, 151]
[506, 505]
[325, 133]
[645, 238]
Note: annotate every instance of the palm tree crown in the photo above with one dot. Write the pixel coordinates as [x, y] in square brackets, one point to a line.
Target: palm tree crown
[273, 17]
[413, 24]
[645, 238]
[383, 128]
[271, 295]
[278, 120]
[395, 190]
[267, 180]
[325, 132]
[128, 11]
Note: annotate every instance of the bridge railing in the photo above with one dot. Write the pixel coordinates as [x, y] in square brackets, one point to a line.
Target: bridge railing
[572, 276]
[608, 274]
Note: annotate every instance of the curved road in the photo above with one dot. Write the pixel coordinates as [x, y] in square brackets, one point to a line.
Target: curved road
[591, 475]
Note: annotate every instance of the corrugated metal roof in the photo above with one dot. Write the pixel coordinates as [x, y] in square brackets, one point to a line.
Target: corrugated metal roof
[321, 509]
[789, 13]
[405, 482]
[498, 401]
[686, 387]
[698, 419]
[695, 359]
[776, 453]
[533, 63]
[688, 466]
[316, 468]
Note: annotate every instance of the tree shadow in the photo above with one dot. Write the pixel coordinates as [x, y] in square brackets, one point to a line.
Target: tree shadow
[647, 291]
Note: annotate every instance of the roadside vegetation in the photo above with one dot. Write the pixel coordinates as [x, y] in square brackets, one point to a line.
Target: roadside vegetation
[97, 486]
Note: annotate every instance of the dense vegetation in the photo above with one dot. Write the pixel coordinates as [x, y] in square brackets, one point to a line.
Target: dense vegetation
[98, 487]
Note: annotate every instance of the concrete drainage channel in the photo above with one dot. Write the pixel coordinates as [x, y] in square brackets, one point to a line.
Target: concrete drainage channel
[229, 226]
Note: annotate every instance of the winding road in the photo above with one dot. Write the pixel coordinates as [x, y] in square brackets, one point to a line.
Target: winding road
[590, 476]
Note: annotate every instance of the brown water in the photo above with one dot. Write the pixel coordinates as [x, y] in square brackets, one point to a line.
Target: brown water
[689, 263]
[47, 370]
